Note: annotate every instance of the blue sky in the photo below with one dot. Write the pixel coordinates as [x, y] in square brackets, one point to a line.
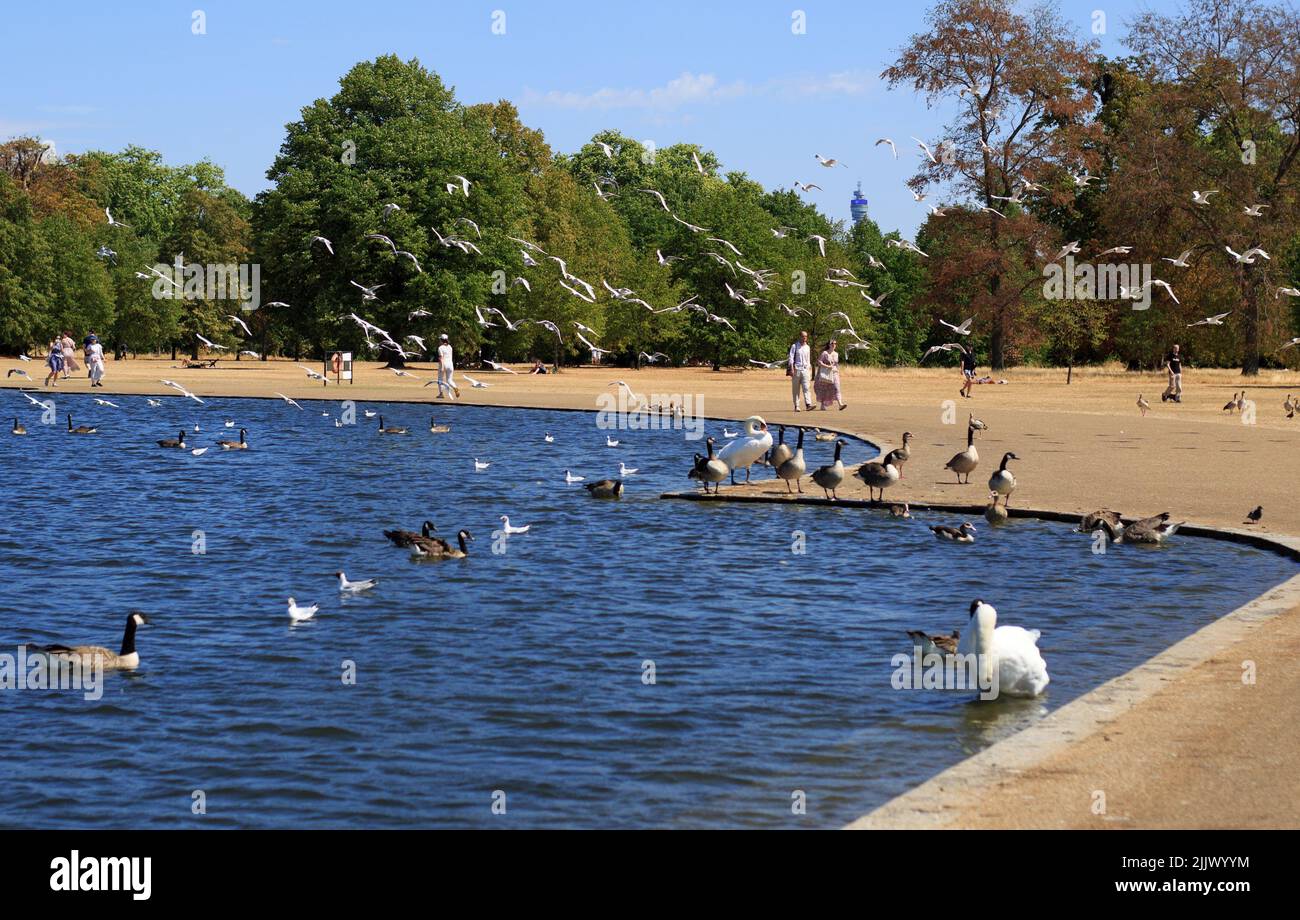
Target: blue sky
[730, 76]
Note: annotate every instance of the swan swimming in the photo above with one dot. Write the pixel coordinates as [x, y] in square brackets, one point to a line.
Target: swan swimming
[1013, 650]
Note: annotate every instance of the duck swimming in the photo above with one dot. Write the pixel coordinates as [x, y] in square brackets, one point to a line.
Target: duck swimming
[963, 534]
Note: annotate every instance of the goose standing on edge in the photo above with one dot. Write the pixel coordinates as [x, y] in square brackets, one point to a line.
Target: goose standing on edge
[965, 461]
[831, 477]
[1012, 650]
[241, 444]
[793, 467]
[1003, 482]
[18, 427]
[780, 451]
[177, 442]
[903, 454]
[747, 450]
[879, 475]
[606, 488]
[709, 469]
[125, 660]
[80, 429]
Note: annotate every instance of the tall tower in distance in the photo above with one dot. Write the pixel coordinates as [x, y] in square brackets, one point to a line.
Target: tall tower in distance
[858, 206]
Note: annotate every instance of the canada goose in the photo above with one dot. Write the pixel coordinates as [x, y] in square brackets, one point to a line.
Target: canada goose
[80, 429]
[900, 511]
[1148, 531]
[781, 451]
[355, 587]
[391, 429]
[709, 469]
[935, 645]
[1013, 650]
[1230, 404]
[993, 512]
[405, 538]
[747, 450]
[879, 474]
[963, 534]
[95, 656]
[241, 444]
[18, 427]
[903, 454]
[606, 488]
[1254, 516]
[1003, 482]
[435, 428]
[1143, 405]
[1241, 402]
[794, 466]
[832, 476]
[298, 614]
[176, 442]
[966, 461]
[434, 548]
[1093, 520]
[820, 435]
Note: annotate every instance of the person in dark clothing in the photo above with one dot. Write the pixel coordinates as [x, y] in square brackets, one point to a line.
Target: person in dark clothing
[967, 370]
[1174, 366]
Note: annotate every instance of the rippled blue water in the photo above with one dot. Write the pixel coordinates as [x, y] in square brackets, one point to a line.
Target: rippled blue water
[520, 671]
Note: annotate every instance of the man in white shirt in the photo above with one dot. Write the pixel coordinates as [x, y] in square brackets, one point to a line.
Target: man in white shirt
[799, 369]
[445, 368]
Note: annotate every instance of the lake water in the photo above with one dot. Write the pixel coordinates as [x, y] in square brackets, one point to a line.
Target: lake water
[521, 671]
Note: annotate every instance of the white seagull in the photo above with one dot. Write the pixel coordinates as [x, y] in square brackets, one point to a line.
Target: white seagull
[355, 587]
[298, 614]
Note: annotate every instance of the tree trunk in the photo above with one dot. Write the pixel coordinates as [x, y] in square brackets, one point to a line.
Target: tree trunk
[1250, 326]
[1069, 372]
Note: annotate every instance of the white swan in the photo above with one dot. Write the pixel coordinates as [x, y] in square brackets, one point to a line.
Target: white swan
[749, 449]
[1011, 649]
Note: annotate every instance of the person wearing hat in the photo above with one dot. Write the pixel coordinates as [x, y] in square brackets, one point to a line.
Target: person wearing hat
[446, 369]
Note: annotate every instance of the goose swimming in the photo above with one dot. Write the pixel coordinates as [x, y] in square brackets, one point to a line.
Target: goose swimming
[1003, 482]
[298, 614]
[963, 534]
[831, 477]
[606, 488]
[18, 428]
[900, 511]
[405, 538]
[435, 428]
[940, 645]
[780, 451]
[819, 435]
[879, 475]
[434, 548]
[391, 429]
[1150, 531]
[747, 450]
[355, 587]
[993, 512]
[80, 429]
[92, 656]
[1011, 650]
[794, 467]
[966, 461]
[241, 444]
[1093, 520]
[177, 442]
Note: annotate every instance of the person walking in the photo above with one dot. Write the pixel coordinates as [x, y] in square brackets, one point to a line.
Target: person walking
[95, 361]
[446, 368]
[69, 347]
[798, 368]
[827, 385]
[55, 362]
[1174, 367]
[967, 369]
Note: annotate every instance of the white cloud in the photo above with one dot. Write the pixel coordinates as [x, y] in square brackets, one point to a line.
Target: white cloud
[687, 89]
